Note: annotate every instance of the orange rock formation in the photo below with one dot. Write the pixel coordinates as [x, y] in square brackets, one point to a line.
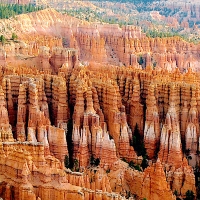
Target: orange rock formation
[69, 116]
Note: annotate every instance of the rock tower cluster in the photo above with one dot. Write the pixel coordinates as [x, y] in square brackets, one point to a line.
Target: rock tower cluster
[94, 117]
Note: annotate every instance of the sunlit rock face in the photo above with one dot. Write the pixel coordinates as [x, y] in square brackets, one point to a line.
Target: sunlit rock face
[85, 114]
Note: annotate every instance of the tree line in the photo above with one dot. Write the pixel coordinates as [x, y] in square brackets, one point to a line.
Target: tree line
[10, 10]
[126, 1]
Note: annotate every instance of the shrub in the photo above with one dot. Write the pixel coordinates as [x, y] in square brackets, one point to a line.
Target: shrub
[14, 36]
[66, 161]
[189, 195]
[94, 161]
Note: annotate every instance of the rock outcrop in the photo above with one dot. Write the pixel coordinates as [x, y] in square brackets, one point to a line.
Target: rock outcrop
[73, 125]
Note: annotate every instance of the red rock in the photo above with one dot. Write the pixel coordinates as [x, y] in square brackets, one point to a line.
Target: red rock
[152, 129]
[105, 102]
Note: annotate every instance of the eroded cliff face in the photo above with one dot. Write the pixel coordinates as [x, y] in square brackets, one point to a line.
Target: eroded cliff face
[104, 106]
[96, 131]
[94, 42]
